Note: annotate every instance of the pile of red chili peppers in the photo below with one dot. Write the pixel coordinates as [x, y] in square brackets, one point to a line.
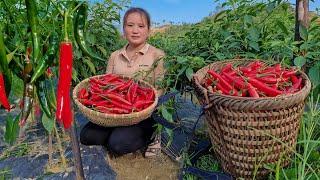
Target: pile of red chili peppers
[114, 95]
[253, 80]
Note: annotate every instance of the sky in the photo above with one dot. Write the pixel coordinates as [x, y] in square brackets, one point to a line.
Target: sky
[184, 11]
[177, 11]
[187, 11]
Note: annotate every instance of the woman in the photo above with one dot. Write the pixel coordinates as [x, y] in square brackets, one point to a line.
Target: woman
[140, 60]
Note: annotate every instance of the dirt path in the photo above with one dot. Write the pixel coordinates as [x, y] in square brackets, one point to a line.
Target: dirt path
[136, 167]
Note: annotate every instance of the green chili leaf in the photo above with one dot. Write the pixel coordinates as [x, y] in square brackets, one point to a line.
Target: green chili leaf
[166, 114]
[47, 123]
[314, 74]
[12, 129]
[299, 61]
[189, 73]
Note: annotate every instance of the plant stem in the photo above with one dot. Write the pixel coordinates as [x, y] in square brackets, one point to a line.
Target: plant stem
[66, 38]
[50, 148]
[64, 162]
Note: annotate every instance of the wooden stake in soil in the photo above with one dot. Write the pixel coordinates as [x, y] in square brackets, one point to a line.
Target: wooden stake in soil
[76, 152]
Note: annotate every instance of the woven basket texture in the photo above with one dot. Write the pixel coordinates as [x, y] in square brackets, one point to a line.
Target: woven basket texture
[111, 120]
[249, 133]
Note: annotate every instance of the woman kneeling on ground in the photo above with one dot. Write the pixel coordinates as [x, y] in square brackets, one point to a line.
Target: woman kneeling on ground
[140, 60]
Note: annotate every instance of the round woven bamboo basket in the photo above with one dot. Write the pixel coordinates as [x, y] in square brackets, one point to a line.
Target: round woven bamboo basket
[249, 133]
[108, 120]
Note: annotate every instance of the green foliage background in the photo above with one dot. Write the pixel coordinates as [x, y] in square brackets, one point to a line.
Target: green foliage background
[241, 29]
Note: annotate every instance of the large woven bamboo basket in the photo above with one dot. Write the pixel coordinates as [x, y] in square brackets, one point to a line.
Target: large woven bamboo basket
[108, 120]
[249, 133]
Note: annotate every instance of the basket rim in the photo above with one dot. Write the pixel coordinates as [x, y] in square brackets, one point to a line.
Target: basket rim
[114, 116]
[306, 87]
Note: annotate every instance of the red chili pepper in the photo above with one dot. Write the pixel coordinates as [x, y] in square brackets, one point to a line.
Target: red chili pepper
[255, 65]
[263, 87]
[271, 80]
[245, 70]
[272, 70]
[126, 85]
[110, 78]
[227, 68]
[128, 95]
[274, 86]
[252, 91]
[142, 104]
[150, 96]
[294, 78]
[223, 82]
[238, 81]
[232, 73]
[83, 93]
[224, 90]
[86, 102]
[207, 82]
[64, 112]
[134, 92]
[122, 106]
[96, 97]
[289, 73]
[277, 67]
[296, 86]
[116, 98]
[119, 111]
[96, 89]
[103, 109]
[105, 103]
[3, 97]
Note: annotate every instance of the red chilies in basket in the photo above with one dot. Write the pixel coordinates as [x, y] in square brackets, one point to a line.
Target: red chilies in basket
[64, 111]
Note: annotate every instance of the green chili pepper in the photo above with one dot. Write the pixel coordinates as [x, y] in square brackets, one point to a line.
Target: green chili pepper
[80, 24]
[50, 94]
[27, 103]
[33, 22]
[40, 90]
[47, 59]
[4, 67]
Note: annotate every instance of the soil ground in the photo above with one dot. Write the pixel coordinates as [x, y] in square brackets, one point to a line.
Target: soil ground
[136, 167]
[97, 164]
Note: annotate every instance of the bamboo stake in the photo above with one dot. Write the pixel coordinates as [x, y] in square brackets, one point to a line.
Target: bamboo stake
[76, 152]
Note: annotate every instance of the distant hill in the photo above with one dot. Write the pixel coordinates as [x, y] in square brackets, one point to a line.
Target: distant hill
[160, 29]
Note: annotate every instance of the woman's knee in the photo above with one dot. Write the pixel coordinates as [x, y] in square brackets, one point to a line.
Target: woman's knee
[122, 141]
[92, 134]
